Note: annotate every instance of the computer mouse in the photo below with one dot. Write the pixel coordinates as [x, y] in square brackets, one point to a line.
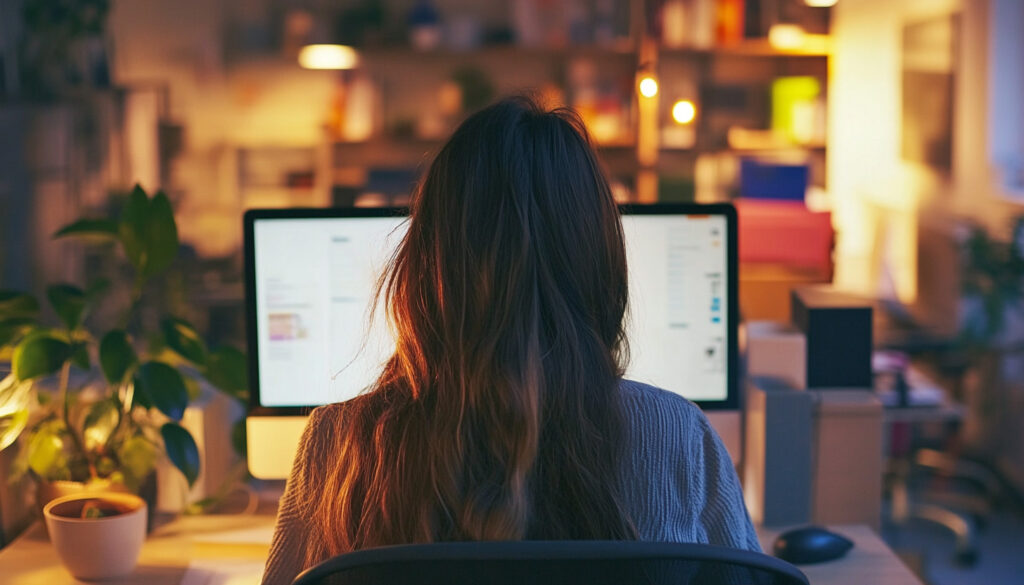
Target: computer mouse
[811, 544]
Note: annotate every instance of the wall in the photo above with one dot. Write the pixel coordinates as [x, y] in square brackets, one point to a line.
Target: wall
[877, 194]
[887, 206]
[179, 47]
[227, 102]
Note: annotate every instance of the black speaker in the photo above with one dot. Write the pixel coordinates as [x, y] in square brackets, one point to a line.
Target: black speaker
[838, 330]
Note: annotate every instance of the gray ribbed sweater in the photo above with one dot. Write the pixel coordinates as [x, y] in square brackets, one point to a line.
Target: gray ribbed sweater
[678, 479]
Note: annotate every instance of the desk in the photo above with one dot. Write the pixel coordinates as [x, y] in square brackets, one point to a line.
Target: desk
[870, 561]
[30, 560]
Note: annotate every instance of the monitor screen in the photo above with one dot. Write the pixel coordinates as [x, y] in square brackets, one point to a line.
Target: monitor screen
[316, 337]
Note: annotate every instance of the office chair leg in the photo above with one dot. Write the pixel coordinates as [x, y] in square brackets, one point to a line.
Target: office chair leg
[966, 553]
[978, 509]
[900, 502]
[958, 468]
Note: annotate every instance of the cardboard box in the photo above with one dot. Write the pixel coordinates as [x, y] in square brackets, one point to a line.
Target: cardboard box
[848, 457]
[776, 350]
[778, 455]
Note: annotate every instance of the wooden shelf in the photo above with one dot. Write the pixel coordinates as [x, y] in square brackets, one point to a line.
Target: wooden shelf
[388, 151]
[814, 46]
[372, 54]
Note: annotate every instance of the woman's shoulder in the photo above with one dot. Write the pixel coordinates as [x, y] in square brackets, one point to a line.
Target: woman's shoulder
[646, 399]
[321, 425]
[657, 416]
[329, 413]
[337, 411]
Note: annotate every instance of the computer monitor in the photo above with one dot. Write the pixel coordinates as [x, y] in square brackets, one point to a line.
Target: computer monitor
[315, 338]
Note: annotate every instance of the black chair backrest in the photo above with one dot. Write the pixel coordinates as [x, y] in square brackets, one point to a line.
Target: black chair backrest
[561, 562]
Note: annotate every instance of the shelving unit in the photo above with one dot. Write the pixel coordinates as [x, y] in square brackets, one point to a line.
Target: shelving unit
[408, 84]
[708, 68]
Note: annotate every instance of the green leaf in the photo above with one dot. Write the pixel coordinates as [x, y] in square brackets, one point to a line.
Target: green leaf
[96, 289]
[116, 356]
[138, 457]
[228, 370]
[12, 329]
[148, 232]
[15, 400]
[102, 228]
[132, 227]
[46, 455]
[100, 422]
[163, 387]
[38, 355]
[68, 302]
[80, 356]
[181, 450]
[192, 387]
[138, 398]
[11, 426]
[162, 237]
[184, 339]
[15, 304]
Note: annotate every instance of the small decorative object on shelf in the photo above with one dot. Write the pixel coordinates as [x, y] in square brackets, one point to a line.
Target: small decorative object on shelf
[424, 26]
[100, 405]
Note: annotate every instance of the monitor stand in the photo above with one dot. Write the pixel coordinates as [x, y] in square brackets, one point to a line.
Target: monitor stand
[272, 442]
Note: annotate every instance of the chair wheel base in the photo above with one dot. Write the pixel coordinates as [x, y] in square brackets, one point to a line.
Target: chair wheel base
[967, 558]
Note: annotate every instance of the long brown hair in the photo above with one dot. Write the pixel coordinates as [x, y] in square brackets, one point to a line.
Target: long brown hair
[498, 417]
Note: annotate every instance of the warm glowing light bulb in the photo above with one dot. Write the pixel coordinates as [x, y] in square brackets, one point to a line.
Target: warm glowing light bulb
[328, 57]
[684, 112]
[820, 3]
[648, 87]
[786, 36]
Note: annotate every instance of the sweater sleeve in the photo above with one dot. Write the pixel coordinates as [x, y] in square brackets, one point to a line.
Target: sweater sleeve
[722, 513]
[288, 547]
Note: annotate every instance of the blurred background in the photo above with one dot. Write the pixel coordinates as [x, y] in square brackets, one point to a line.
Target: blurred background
[877, 145]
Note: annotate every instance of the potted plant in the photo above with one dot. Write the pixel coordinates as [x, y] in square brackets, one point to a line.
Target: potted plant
[992, 328]
[99, 405]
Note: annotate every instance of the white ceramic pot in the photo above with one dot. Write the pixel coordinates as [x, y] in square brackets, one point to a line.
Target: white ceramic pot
[94, 549]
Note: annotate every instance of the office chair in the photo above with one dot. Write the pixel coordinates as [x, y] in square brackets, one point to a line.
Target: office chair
[561, 562]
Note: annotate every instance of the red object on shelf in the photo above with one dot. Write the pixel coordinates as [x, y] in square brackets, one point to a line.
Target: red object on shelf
[786, 233]
[729, 22]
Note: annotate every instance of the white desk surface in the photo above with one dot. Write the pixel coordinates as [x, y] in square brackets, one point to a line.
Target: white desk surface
[869, 561]
[30, 560]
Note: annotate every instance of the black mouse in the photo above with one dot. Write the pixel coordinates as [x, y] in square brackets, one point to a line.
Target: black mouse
[811, 544]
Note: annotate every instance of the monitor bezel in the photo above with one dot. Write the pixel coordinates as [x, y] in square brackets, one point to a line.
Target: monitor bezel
[728, 211]
[251, 216]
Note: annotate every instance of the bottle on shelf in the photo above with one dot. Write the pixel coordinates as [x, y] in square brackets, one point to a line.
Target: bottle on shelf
[729, 26]
[424, 26]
